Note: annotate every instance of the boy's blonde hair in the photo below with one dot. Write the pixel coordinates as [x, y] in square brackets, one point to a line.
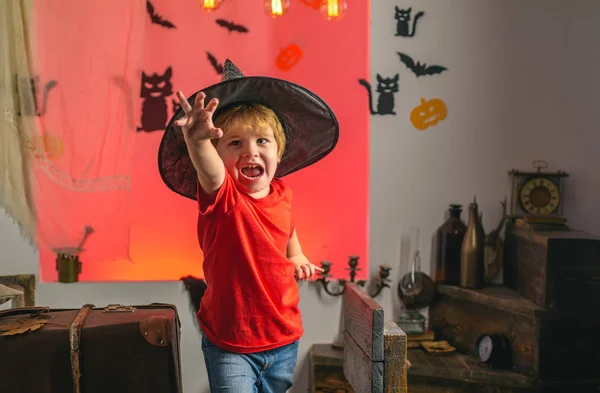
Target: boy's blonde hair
[255, 115]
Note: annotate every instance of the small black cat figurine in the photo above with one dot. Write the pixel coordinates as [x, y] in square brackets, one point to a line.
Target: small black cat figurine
[386, 87]
[155, 90]
[403, 25]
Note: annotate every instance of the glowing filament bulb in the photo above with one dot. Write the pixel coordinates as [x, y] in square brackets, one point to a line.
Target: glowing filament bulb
[333, 9]
[211, 5]
[276, 8]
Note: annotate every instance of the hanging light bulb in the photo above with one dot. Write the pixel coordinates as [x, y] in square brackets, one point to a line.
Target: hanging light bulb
[276, 8]
[210, 5]
[333, 9]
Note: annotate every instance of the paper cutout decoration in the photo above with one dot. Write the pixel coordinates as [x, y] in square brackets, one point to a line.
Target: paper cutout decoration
[428, 113]
[386, 87]
[288, 57]
[155, 90]
[403, 22]
[217, 66]
[420, 69]
[156, 18]
[31, 83]
[231, 26]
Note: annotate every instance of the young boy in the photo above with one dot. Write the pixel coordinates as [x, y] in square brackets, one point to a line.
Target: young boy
[249, 314]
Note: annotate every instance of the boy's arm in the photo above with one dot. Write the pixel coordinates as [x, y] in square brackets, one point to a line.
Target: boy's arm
[198, 130]
[209, 166]
[303, 268]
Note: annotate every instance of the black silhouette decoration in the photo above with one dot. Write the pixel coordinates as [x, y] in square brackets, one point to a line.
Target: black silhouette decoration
[215, 63]
[155, 90]
[156, 18]
[230, 26]
[403, 28]
[420, 69]
[386, 87]
[195, 287]
[31, 83]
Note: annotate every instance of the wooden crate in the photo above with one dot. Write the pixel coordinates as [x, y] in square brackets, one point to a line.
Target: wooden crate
[548, 344]
[553, 269]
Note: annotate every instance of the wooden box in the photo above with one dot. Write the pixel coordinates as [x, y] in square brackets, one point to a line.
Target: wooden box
[554, 269]
[545, 343]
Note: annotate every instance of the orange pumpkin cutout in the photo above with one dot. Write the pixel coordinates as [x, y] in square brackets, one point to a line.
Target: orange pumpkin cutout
[288, 57]
[428, 113]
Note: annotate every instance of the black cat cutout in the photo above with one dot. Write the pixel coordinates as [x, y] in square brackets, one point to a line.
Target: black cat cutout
[403, 17]
[156, 18]
[155, 90]
[230, 26]
[31, 83]
[386, 87]
[420, 69]
[218, 67]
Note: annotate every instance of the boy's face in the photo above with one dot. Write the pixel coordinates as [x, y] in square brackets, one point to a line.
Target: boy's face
[250, 157]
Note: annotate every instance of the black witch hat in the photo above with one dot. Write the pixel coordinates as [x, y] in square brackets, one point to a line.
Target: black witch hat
[311, 127]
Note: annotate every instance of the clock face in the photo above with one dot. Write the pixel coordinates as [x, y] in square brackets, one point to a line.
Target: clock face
[539, 196]
[485, 348]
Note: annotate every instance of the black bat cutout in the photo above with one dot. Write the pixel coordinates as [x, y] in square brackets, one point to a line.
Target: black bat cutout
[156, 18]
[231, 26]
[215, 63]
[420, 69]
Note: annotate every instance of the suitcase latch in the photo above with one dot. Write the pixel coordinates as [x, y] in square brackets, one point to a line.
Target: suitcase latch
[118, 308]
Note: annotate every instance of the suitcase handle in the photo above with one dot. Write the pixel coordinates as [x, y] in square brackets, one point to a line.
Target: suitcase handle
[24, 310]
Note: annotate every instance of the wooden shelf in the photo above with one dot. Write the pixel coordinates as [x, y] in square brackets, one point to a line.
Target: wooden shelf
[451, 373]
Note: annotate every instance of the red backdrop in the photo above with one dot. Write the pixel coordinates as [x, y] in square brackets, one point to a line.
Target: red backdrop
[331, 197]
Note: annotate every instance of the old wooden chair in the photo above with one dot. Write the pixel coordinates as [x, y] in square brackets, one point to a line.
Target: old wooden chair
[374, 349]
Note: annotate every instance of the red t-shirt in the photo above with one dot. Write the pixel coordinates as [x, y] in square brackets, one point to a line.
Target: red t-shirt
[251, 303]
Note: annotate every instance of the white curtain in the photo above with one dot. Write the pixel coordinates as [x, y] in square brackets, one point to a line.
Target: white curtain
[79, 77]
[16, 128]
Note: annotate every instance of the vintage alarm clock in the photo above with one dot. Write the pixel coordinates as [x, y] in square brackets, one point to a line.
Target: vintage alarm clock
[494, 350]
[537, 196]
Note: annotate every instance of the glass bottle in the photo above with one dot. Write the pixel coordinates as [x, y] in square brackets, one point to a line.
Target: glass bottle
[472, 252]
[449, 238]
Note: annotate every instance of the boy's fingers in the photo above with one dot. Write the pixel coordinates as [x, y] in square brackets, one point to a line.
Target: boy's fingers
[217, 132]
[212, 105]
[318, 268]
[185, 105]
[199, 101]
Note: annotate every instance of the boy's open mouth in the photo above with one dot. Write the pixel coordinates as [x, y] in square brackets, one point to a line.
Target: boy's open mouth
[252, 171]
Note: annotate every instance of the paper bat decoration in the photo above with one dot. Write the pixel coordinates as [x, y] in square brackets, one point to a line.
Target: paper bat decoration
[156, 18]
[420, 69]
[231, 26]
[215, 63]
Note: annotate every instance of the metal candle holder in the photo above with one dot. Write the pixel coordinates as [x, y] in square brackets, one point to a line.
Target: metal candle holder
[382, 280]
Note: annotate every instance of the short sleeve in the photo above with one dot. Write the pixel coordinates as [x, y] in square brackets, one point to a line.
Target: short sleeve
[227, 197]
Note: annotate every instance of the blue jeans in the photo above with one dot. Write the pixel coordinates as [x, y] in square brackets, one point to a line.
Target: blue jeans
[261, 372]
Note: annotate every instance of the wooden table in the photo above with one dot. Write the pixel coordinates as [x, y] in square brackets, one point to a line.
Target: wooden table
[452, 373]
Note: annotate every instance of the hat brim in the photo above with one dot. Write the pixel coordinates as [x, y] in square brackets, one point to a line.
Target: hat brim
[311, 128]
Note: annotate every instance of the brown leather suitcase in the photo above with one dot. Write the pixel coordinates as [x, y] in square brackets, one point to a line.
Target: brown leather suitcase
[114, 349]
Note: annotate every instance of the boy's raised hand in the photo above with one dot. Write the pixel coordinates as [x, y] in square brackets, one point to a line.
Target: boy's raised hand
[197, 124]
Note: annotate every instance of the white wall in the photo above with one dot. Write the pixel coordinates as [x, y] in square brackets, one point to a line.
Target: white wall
[521, 86]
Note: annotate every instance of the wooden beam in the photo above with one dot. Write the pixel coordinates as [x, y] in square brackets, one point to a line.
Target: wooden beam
[363, 320]
[364, 375]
